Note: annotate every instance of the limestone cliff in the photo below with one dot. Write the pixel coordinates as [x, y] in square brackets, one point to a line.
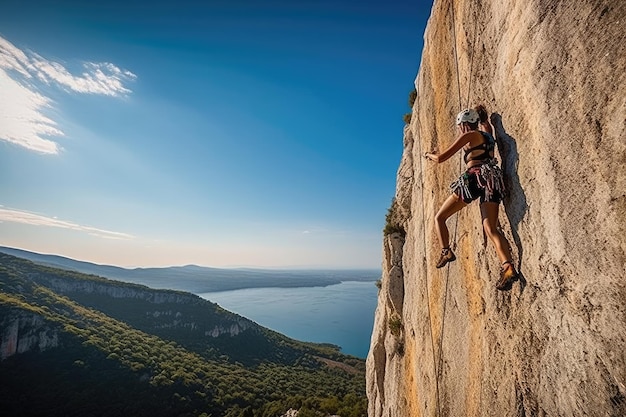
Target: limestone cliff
[162, 307]
[446, 342]
[22, 331]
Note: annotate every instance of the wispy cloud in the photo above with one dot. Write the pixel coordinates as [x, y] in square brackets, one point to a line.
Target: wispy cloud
[24, 217]
[22, 106]
[98, 78]
[21, 119]
[316, 230]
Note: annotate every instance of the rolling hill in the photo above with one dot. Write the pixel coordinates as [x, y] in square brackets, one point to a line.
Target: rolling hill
[76, 344]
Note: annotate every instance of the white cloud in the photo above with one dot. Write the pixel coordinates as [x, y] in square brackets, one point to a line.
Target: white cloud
[13, 58]
[24, 217]
[22, 106]
[98, 78]
[21, 119]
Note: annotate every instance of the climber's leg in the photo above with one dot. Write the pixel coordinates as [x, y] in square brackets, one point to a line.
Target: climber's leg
[508, 274]
[449, 207]
[489, 214]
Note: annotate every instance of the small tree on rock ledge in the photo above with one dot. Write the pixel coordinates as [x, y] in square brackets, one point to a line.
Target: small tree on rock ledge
[392, 224]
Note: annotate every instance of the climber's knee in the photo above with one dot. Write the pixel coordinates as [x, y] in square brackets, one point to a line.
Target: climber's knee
[449, 207]
[490, 230]
[440, 217]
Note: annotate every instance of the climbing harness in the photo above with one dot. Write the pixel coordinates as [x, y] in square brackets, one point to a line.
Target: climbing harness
[488, 177]
[491, 178]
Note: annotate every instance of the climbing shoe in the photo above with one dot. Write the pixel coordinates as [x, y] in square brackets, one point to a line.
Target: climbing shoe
[507, 276]
[446, 256]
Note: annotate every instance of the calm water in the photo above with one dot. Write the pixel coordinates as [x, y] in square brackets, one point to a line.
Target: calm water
[341, 314]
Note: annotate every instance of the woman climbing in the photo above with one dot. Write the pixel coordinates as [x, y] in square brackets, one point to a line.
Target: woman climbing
[482, 179]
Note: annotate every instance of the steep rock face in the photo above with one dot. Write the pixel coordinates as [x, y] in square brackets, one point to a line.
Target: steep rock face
[446, 342]
[21, 332]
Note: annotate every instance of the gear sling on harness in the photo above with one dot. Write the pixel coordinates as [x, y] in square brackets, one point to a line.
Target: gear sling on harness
[485, 181]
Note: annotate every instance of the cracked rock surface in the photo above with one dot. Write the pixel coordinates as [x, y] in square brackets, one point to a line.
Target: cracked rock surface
[445, 342]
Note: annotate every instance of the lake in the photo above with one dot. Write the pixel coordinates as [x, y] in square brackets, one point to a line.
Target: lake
[341, 314]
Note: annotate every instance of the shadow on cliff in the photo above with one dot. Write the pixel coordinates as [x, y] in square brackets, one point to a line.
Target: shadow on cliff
[515, 205]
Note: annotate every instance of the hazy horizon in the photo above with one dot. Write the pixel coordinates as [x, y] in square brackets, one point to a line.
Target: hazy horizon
[285, 268]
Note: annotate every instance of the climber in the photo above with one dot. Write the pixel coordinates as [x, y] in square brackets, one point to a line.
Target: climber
[483, 179]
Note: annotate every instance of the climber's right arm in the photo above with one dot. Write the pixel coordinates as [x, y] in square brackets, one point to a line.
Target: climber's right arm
[454, 148]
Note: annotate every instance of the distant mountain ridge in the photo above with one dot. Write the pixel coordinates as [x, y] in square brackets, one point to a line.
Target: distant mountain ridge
[199, 279]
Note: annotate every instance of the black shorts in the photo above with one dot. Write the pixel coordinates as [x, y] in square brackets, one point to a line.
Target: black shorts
[472, 184]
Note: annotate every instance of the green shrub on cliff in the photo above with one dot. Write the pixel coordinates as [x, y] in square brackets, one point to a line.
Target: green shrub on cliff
[392, 220]
[412, 97]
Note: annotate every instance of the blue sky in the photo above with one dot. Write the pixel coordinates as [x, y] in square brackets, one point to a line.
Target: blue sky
[217, 133]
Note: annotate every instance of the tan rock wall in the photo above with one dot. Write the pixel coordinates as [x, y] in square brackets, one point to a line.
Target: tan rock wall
[554, 75]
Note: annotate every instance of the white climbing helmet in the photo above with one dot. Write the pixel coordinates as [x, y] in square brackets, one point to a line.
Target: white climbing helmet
[467, 115]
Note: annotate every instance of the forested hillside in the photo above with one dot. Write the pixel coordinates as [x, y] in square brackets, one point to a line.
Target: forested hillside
[74, 344]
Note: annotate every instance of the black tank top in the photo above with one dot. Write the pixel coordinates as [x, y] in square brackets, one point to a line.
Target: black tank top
[487, 147]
